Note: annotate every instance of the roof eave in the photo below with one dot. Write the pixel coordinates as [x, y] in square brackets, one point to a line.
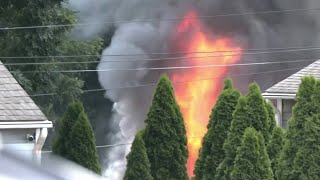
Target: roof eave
[25, 125]
[269, 95]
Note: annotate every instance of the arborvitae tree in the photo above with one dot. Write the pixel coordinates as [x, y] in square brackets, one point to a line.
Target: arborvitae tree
[307, 159]
[165, 135]
[257, 111]
[251, 112]
[82, 146]
[65, 126]
[271, 115]
[307, 105]
[138, 165]
[211, 153]
[75, 140]
[238, 124]
[252, 161]
[275, 146]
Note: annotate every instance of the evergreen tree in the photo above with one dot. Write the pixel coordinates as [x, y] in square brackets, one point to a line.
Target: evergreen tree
[138, 165]
[307, 159]
[257, 111]
[66, 124]
[275, 146]
[250, 112]
[252, 161]
[307, 106]
[211, 153]
[165, 135]
[75, 139]
[238, 124]
[271, 115]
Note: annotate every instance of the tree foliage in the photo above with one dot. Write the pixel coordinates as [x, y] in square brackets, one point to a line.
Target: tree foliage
[46, 41]
[275, 146]
[211, 154]
[300, 135]
[165, 135]
[75, 140]
[252, 161]
[138, 165]
[307, 159]
[251, 111]
[271, 116]
[257, 111]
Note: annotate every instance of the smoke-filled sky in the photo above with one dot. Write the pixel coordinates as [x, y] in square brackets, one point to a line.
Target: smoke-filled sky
[260, 31]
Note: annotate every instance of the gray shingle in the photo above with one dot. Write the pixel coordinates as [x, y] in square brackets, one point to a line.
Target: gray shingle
[13, 107]
[291, 84]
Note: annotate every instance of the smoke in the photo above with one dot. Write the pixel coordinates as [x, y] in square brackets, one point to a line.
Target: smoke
[260, 31]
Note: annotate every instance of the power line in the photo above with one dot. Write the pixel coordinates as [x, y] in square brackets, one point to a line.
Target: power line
[166, 68]
[156, 20]
[267, 50]
[116, 145]
[154, 84]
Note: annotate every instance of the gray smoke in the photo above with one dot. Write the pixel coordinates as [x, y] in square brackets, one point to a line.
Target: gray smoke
[260, 31]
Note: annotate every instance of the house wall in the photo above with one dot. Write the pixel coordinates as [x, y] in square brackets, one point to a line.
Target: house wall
[287, 105]
[15, 140]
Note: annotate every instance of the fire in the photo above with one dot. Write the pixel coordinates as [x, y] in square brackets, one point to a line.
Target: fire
[197, 97]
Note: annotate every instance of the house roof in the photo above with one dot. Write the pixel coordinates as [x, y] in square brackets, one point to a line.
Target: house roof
[16, 107]
[287, 88]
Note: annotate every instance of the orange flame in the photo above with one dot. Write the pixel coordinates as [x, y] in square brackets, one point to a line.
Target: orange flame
[196, 98]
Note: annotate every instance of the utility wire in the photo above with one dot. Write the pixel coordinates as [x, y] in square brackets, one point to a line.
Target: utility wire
[266, 50]
[156, 20]
[120, 144]
[154, 84]
[165, 68]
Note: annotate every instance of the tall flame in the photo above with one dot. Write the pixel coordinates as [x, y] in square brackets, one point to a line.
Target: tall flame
[197, 97]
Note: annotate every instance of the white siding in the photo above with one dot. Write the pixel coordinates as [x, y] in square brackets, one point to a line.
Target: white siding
[15, 140]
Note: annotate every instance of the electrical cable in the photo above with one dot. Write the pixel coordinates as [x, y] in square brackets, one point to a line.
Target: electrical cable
[264, 51]
[154, 84]
[164, 68]
[156, 20]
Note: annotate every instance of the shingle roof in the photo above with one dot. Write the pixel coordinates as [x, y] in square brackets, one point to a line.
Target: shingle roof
[15, 104]
[291, 84]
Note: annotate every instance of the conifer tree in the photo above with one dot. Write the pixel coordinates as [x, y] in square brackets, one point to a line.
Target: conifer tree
[238, 124]
[138, 165]
[271, 115]
[211, 153]
[252, 161]
[257, 111]
[82, 146]
[165, 135]
[275, 146]
[65, 126]
[307, 159]
[76, 140]
[251, 111]
[307, 106]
